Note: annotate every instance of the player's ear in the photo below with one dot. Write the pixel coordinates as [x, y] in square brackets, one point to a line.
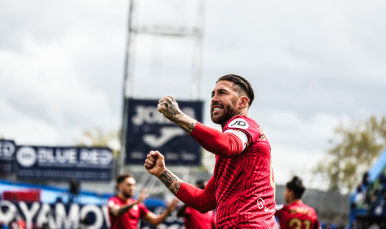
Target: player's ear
[243, 102]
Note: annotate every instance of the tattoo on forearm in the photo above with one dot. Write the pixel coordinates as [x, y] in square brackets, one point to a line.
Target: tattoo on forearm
[175, 187]
[187, 124]
[173, 113]
[171, 181]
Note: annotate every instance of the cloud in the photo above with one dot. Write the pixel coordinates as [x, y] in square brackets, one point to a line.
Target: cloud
[311, 64]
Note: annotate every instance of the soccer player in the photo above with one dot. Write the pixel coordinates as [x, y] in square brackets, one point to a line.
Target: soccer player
[242, 186]
[125, 212]
[296, 215]
[193, 218]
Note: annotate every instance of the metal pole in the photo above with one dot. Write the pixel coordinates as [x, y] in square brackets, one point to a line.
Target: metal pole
[198, 51]
[126, 85]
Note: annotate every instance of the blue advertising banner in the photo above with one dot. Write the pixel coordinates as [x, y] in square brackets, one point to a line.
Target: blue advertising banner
[7, 156]
[64, 163]
[147, 130]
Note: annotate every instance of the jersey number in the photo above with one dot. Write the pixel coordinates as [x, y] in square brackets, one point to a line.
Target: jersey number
[297, 223]
[272, 178]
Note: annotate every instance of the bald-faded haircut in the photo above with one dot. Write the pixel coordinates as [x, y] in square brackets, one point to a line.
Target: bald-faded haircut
[240, 85]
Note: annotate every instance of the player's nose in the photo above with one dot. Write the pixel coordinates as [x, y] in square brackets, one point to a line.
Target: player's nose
[214, 99]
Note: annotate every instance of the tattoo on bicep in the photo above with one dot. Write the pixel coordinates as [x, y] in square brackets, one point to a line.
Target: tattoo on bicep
[171, 181]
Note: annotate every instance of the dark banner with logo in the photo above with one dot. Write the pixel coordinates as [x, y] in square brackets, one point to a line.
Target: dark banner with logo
[7, 156]
[378, 210]
[147, 130]
[64, 163]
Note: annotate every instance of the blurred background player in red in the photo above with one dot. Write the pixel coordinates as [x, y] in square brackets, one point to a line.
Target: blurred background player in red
[194, 219]
[242, 187]
[296, 215]
[125, 212]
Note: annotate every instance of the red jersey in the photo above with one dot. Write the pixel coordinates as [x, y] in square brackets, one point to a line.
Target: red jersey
[196, 220]
[128, 220]
[244, 183]
[297, 216]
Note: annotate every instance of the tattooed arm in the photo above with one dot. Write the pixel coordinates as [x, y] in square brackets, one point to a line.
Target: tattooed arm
[169, 108]
[201, 200]
[155, 165]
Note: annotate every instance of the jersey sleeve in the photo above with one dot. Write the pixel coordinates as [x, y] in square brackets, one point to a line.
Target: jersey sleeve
[142, 209]
[188, 211]
[112, 202]
[216, 142]
[245, 125]
[279, 211]
[201, 200]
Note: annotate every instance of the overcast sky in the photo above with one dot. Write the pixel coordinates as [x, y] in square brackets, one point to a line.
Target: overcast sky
[312, 64]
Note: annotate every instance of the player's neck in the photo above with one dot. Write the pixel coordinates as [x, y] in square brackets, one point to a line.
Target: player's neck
[295, 201]
[239, 112]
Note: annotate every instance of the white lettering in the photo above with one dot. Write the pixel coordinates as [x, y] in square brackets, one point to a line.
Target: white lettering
[45, 216]
[96, 156]
[148, 115]
[137, 155]
[172, 156]
[7, 216]
[62, 156]
[106, 215]
[29, 213]
[98, 215]
[188, 156]
[72, 156]
[62, 218]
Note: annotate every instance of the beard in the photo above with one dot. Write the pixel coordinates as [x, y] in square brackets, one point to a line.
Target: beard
[127, 195]
[225, 117]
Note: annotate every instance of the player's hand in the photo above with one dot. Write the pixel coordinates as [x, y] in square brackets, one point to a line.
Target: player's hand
[142, 196]
[155, 163]
[169, 108]
[173, 205]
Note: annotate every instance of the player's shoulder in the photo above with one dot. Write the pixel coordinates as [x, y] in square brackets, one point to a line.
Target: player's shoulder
[241, 122]
[112, 201]
[113, 198]
[311, 210]
[246, 125]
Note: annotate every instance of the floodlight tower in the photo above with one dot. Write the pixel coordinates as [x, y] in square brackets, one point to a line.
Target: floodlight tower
[140, 24]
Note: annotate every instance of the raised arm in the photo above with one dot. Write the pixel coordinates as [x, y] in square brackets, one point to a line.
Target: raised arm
[155, 220]
[117, 211]
[201, 200]
[170, 109]
[222, 144]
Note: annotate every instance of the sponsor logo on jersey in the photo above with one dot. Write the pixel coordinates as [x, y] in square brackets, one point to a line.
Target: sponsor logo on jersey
[239, 123]
[261, 205]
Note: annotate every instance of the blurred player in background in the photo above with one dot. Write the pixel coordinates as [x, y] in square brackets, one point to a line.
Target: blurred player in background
[296, 215]
[193, 218]
[242, 186]
[125, 212]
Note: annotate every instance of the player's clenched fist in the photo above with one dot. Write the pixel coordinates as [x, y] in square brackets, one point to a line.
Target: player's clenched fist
[169, 107]
[155, 163]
